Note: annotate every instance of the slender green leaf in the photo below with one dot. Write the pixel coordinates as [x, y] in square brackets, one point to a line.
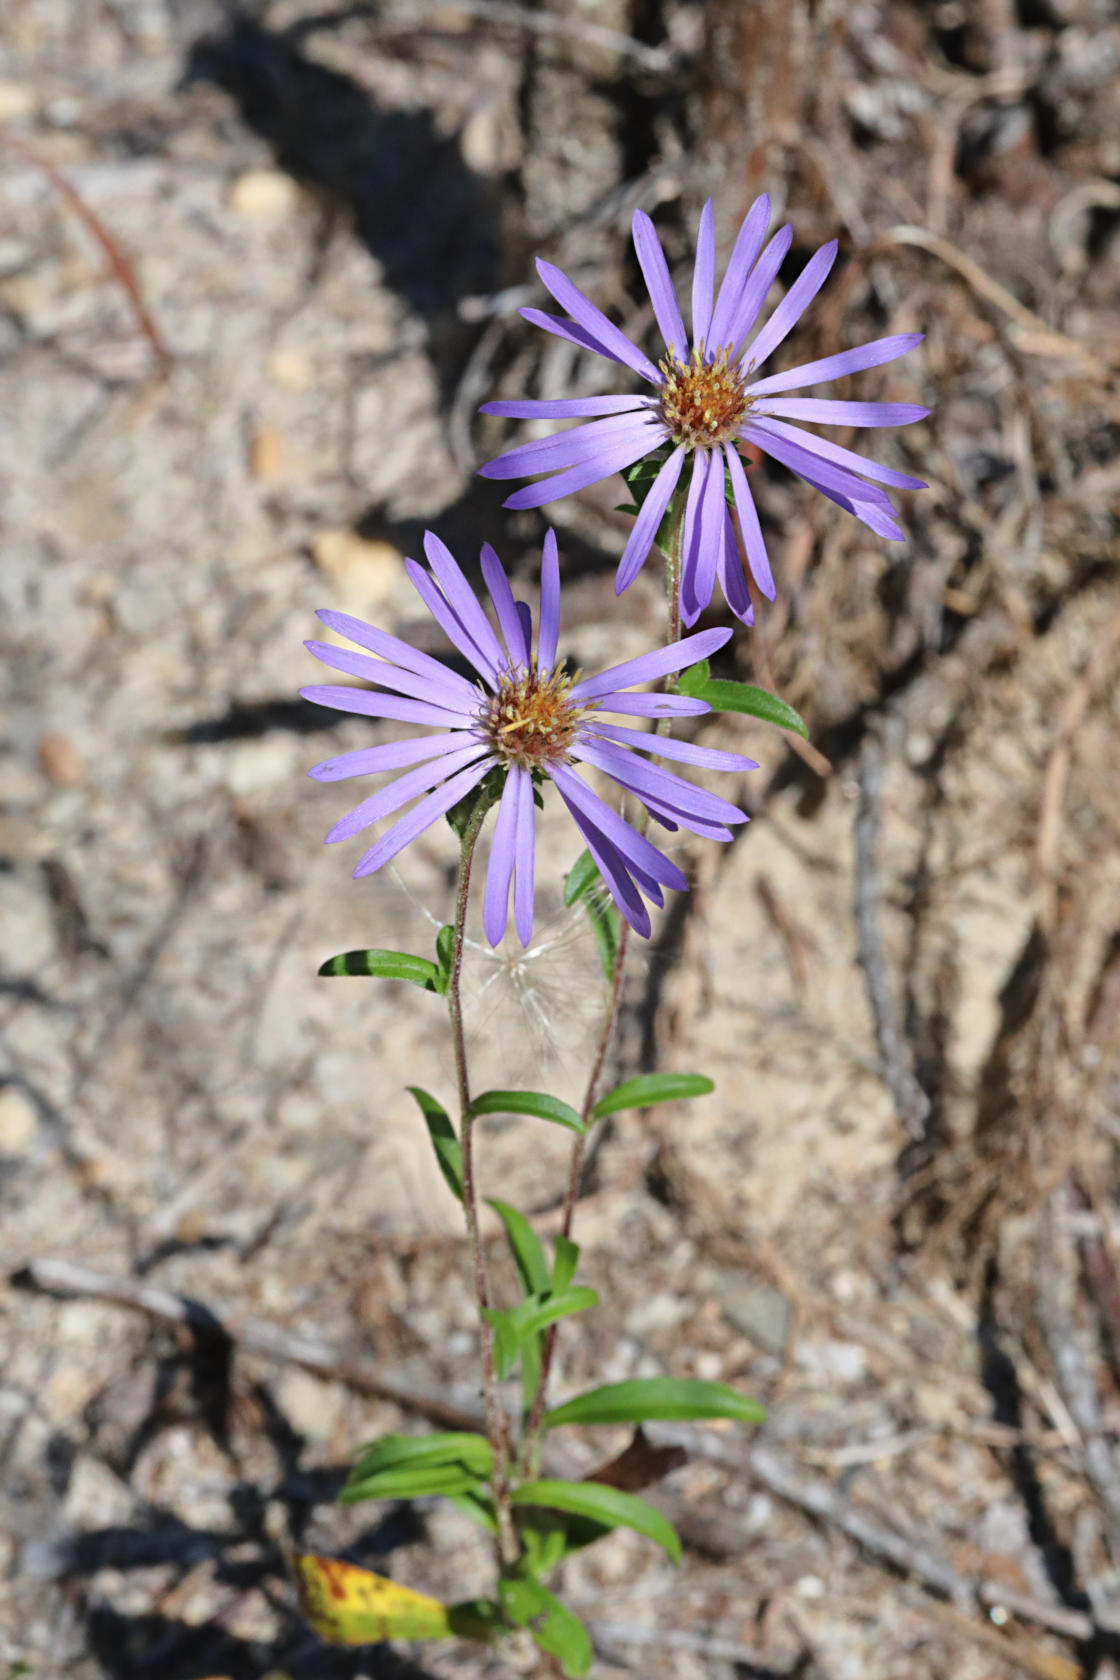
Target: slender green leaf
[507, 1342]
[529, 1255]
[606, 1505]
[723, 696]
[449, 1151]
[565, 1259]
[531, 1353]
[476, 1618]
[646, 1399]
[583, 875]
[553, 1627]
[533, 1315]
[445, 952]
[387, 965]
[544, 1535]
[584, 881]
[409, 1483]
[537, 1103]
[650, 1088]
[393, 1452]
[478, 1507]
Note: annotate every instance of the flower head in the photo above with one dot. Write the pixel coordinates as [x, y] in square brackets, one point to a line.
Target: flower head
[706, 403]
[528, 716]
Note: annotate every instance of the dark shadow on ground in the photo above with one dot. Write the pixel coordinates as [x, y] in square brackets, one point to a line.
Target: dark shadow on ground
[429, 220]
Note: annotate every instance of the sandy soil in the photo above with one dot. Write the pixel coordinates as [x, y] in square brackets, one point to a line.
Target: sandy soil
[907, 1249]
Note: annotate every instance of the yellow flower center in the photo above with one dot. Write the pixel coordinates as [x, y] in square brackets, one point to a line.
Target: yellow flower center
[703, 403]
[531, 720]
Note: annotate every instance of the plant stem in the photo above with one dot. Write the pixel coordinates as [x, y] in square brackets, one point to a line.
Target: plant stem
[531, 1443]
[497, 1427]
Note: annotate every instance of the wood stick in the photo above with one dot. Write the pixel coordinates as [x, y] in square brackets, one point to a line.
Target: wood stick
[251, 1335]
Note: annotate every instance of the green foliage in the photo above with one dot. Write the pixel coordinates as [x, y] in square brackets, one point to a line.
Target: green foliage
[650, 1088]
[388, 965]
[536, 1103]
[449, 1151]
[606, 1505]
[395, 1452]
[722, 696]
[478, 801]
[532, 1315]
[408, 1482]
[554, 1629]
[445, 953]
[647, 1399]
[479, 1507]
[528, 1252]
[565, 1259]
[584, 881]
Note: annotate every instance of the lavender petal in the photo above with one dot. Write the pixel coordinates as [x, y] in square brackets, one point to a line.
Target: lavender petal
[635, 848]
[594, 322]
[398, 793]
[793, 305]
[568, 448]
[502, 596]
[655, 272]
[392, 755]
[612, 868]
[667, 746]
[826, 450]
[422, 816]
[646, 525]
[571, 333]
[499, 871]
[870, 355]
[604, 465]
[758, 286]
[548, 617]
[461, 598]
[565, 408]
[363, 703]
[647, 667]
[732, 578]
[651, 705]
[703, 276]
[824, 413]
[800, 459]
[392, 649]
[747, 246]
[450, 623]
[523, 846]
[642, 778]
[691, 532]
[426, 687]
[757, 558]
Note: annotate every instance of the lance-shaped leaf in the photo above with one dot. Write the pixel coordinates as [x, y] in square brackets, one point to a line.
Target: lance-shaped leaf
[351, 1606]
[650, 1088]
[394, 1452]
[605, 1505]
[533, 1315]
[418, 1481]
[449, 1151]
[528, 1254]
[584, 881]
[723, 696]
[565, 1259]
[388, 965]
[537, 1103]
[554, 1629]
[647, 1399]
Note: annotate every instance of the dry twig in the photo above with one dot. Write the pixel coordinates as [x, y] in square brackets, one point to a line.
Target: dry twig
[910, 1101]
[251, 1335]
[122, 269]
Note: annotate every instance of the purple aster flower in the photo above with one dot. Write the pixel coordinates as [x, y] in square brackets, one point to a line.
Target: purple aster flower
[706, 402]
[527, 715]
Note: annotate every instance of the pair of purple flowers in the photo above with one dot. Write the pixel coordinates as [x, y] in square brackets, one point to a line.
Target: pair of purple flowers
[526, 715]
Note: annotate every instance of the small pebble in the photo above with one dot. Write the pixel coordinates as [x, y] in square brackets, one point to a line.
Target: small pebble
[61, 761]
[17, 1121]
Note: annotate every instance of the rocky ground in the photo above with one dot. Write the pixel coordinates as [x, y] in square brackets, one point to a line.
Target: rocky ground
[322, 224]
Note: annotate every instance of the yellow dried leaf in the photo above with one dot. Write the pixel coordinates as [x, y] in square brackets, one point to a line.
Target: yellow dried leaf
[351, 1606]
